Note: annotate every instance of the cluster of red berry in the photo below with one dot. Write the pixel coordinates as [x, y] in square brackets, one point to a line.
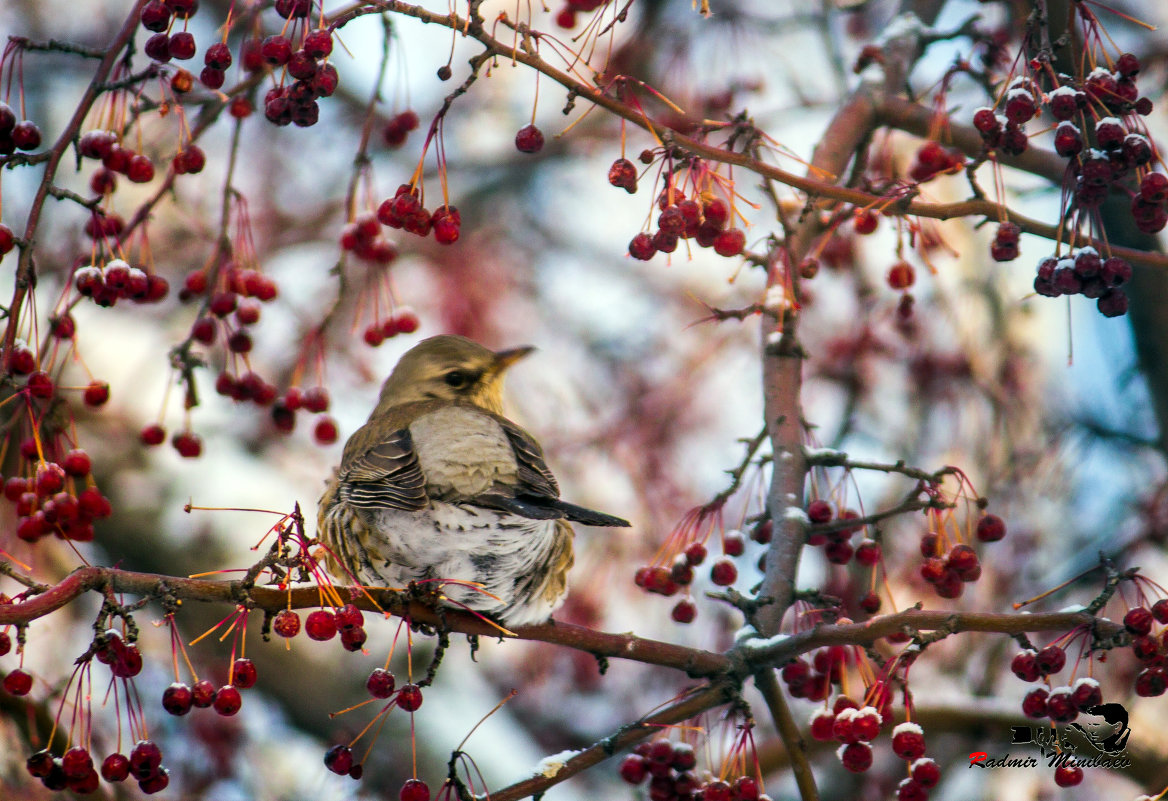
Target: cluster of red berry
[179, 698]
[1150, 648]
[405, 211]
[116, 280]
[669, 767]
[672, 577]
[933, 159]
[24, 135]
[835, 538]
[949, 572]
[74, 770]
[382, 686]
[399, 127]
[1104, 107]
[54, 492]
[813, 679]
[703, 219]
[855, 727]
[325, 624]
[1084, 272]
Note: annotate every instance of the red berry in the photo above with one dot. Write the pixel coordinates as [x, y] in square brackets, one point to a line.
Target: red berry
[286, 623]
[1068, 775]
[276, 50]
[325, 430]
[723, 573]
[868, 552]
[339, 759]
[1034, 703]
[414, 790]
[865, 221]
[633, 769]
[243, 673]
[18, 682]
[695, 553]
[684, 611]
[115, 768]
[1050, 659]
[990, 528]
[823, 725]
[730, 242]
[925, 772]
[908, 741]
[353, 638]
[182, 45]
[733, 544]
[315, 399]
[1160, 610]
[529, 139]
[177, 698]
[188, 444]
[380, 683]
[321, 625]
[911, 790]
[1151, 682]
[405, 320]
[684, 757]
[1138, 620]
[819, 512]
[203, 694]
[40, 384]
[318, 43]
[409, 697]
[901, 275]
[152, 435]
[641, 247]
[349, 617]
[623, 174]
[856, 757]
[1060, 705]
[227, 701]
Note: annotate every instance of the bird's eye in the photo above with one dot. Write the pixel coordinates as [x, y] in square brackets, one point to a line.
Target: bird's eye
[456, 379]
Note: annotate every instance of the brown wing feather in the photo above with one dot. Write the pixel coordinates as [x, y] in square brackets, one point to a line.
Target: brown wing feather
[534, 476]
[385, 476]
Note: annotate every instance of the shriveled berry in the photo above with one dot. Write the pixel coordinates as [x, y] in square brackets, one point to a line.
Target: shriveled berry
[243, 673]
[286, 623]
[202, 694]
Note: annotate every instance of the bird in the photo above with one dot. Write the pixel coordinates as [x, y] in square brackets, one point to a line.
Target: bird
[440, 487]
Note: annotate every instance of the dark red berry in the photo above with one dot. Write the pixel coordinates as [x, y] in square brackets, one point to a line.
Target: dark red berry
[529, 139]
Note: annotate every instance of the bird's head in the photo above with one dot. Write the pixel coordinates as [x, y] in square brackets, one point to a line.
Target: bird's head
[450, 368]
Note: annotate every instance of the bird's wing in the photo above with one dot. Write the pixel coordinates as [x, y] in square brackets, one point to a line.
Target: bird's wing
[536, 494]
[387, 475]
[534, 477]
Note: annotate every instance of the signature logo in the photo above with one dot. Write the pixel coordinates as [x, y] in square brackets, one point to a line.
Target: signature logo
[1096, 740]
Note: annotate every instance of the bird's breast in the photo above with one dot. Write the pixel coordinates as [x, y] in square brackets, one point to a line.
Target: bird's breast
[462, 452]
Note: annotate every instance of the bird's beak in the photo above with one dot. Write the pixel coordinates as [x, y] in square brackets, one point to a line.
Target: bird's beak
[506, 358]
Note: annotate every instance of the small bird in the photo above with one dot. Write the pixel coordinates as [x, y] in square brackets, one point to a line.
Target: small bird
[439, 486]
